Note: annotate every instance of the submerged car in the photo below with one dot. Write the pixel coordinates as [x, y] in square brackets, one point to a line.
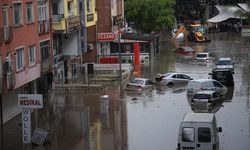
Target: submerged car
[184, 50]
[172, 78]
[207, 98]
[195, 86]
[225, 63]
[206, 56]
[224, 76]
[140, 84]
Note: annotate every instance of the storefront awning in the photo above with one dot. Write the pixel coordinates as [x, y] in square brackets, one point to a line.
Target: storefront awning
[226, 12]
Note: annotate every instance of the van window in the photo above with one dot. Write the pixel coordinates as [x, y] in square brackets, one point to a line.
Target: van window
[204, 135]
[188, 134]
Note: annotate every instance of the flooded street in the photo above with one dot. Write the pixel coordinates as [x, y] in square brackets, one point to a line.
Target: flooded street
[150, 120]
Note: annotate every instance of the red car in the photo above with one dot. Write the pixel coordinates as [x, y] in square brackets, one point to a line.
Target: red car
[184, 50]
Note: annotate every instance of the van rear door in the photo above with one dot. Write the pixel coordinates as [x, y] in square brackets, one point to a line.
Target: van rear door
[187, 139]
[205, 139]
[196, 136]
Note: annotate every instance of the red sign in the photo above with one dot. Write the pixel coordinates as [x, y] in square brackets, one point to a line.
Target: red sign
[106, 37]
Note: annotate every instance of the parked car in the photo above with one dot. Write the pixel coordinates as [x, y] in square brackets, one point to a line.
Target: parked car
[198, 131]
[195, 86]
[207, 98]
[225, 63]
[140, 84]
[224, 76]
[184, 50]
[206, 56]
[172, 78]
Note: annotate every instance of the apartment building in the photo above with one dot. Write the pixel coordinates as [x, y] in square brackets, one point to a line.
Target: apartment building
[67, 45]
[25, 50]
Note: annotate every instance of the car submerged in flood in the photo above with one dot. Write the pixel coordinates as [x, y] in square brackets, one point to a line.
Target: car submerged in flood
[171, 79]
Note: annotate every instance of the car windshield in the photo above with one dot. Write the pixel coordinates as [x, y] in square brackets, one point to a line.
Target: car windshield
[137, 81]
[201, 55]
[202, 96]
[224, 62]
[223, 75]
[193, 84]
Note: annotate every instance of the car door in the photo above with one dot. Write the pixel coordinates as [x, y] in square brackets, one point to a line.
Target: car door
[149, 84]
[184, 78]
[204, 138]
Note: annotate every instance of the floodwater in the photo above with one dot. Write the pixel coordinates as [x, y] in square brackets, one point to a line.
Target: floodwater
[149, 120]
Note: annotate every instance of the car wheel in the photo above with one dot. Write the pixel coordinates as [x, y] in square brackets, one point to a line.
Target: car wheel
[170, 84]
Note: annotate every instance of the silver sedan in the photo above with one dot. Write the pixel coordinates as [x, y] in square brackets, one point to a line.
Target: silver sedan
[172, 78]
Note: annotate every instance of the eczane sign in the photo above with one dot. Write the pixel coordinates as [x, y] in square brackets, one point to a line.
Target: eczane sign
[106, 37]
[30, 101]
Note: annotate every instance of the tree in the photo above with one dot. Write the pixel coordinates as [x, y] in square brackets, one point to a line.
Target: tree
[247, 14]
[150, 15]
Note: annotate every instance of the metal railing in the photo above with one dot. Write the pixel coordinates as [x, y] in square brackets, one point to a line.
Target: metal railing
[43, 26]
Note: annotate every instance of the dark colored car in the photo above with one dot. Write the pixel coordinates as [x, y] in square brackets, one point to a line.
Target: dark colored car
[224, 76]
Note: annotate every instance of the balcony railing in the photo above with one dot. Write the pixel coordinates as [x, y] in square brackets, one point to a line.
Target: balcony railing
[1, 36]
[43, 26]
[45, 66]
[57, 18]
[10, 80]
[73, 24]
[7, 34]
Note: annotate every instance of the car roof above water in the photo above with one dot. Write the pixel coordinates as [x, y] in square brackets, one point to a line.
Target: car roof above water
[199, 117]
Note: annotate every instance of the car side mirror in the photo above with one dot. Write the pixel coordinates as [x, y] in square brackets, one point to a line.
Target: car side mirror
[210, 74]
[191, 79]
[219, 129]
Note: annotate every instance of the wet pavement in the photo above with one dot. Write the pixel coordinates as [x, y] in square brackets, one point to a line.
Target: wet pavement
[148, 120]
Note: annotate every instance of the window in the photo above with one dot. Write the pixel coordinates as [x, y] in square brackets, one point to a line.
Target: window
[70, 8]
[204, 135]
[42, 11]
[89, 7]
[19, 58]
[44, 47]
[217, 84]
[188, 134]
[17, 8]
[32, 55]
[6, 28]
[29, 13]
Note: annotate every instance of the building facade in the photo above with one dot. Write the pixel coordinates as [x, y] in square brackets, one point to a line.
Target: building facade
[25, 50]
[66, 39]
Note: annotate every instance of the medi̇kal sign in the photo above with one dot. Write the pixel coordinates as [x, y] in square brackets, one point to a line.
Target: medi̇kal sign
[30, 101]
[106, 36]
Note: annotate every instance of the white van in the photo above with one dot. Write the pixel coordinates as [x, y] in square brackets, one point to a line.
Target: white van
[198, 131]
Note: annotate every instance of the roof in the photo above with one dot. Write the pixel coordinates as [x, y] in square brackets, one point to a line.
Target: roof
[199, 117]
[243, 6]
[226, 12]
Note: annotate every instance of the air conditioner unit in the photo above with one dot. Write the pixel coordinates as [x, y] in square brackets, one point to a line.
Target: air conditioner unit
[90, 47]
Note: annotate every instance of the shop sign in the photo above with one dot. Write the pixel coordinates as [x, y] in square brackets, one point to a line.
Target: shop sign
[106, 37]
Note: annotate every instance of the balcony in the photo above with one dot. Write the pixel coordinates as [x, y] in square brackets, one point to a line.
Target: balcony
[73, 24]
[43, 27]
[7, 34]
[46, 66]
[66, 25]
[1, 36]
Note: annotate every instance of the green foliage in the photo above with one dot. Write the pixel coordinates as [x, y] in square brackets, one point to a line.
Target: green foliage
[150, 15]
